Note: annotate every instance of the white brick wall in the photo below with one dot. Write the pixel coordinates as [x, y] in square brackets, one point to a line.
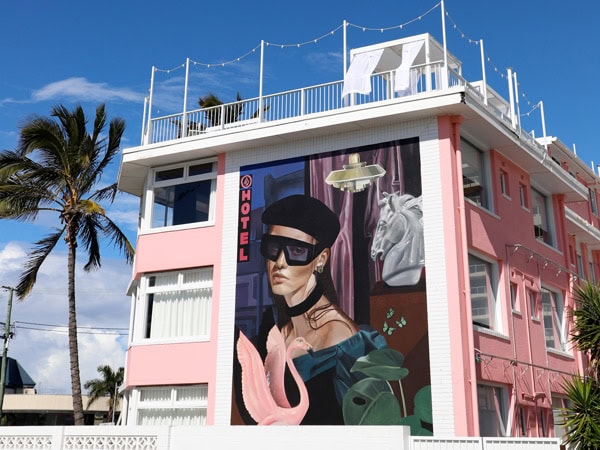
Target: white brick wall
[426, 130]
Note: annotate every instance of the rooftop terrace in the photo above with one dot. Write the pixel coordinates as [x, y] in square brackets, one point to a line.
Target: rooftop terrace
[410, 77]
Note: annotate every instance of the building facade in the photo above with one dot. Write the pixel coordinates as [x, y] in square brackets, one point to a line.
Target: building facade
[464, 254]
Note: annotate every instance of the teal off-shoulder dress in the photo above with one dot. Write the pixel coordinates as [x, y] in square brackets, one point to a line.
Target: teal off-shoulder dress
[327, 376]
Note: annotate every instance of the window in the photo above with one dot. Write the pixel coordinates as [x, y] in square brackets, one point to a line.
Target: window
[559, 404]
[183, 194]
[523, 196]
[553, 316]
[168, 405]
[504, 183]
[474, 179]
[543, 422]
[484, 283]
[591, 274]
[541, 216]
[176, 305]
[522, 421]
[580, 270]
[593, 201]
[533, 305]
[493, 410]
[514, 300]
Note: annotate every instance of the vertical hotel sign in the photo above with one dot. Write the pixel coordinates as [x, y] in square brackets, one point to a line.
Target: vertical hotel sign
[244, 224]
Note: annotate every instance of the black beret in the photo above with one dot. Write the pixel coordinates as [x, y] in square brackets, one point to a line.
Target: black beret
[306, 214]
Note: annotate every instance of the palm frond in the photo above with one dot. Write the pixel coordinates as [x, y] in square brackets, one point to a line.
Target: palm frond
[106, 193]
[118, 239]
[99, 122]
[46, 136]
[582, 418]
[22, 202]
[42, 249]
[586, 329]
[89, 237]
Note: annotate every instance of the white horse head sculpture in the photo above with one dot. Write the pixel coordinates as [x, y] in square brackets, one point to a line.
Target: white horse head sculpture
[398, 240]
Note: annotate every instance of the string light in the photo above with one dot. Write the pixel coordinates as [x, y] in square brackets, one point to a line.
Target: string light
[156, 69]
[299, 44]
[461, 33]
[311, 41]
[488, 60]
[332, 32]
[396, 27]
[226, 63]
[536, 106]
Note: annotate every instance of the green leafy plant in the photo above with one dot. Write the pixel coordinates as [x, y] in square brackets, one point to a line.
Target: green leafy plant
[371, 401]
[581, 418]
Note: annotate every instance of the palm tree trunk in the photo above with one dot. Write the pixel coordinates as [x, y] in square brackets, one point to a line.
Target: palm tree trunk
[73, 349]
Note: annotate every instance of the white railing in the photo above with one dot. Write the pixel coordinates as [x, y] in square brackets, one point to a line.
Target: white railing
[292, 104]
[314, 100]
[484, 443]
[265, 438]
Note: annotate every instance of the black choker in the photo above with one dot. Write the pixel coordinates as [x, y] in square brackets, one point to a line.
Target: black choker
[305, 305]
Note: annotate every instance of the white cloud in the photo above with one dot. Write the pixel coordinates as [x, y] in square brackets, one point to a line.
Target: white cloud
[81, 89]
[11, 258]
[40, 343]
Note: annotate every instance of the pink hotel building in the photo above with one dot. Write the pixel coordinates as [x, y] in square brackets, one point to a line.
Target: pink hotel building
[509, 224]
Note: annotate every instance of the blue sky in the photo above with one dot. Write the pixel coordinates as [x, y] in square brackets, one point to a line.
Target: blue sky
[69, 52]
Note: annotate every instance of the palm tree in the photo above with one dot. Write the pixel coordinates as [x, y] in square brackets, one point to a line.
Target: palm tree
[56, 167]
[582, 417]
[210, 102]
[106, 387]
[586, 334]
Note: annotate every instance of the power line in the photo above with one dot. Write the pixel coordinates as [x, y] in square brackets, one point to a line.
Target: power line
[117, 333]
[65, 326]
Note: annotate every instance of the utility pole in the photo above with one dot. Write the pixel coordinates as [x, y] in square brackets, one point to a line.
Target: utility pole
[7, 336]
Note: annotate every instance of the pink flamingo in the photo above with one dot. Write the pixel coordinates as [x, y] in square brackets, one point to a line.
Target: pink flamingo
[262, 385]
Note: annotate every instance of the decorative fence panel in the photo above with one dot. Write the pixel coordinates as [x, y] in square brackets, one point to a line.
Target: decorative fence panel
[263, 438]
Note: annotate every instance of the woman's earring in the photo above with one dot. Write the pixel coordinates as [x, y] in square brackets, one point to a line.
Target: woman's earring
[319, 268]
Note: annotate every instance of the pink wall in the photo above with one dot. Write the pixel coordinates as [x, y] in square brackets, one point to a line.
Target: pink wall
[519, 350]
[170, 364]
[182, 363]
[461, 360]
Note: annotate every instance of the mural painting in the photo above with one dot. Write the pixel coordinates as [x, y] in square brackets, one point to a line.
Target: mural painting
[331, 311]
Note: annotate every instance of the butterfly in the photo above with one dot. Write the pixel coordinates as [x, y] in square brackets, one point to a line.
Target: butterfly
[402, 322]
[390, 313]
[388, 329]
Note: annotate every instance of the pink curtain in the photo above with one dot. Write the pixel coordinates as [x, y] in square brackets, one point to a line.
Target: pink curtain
[339, 202]
[401, 161]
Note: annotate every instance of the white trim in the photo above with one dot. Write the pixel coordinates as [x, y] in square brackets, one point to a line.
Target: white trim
[147, 219]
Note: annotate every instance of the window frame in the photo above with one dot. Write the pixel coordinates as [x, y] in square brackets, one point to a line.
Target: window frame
[523, 198]
[492, 285]
[559, 404]
[482, 171]
[501, 407]
[558, 322]
[145, 300]
[504, 184]
[534, 304]
[148, 225]
[515, 301]
[545, 236]
[593, 201]
[173, 404]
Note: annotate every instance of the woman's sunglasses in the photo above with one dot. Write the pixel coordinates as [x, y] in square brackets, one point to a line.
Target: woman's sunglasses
[297, 253]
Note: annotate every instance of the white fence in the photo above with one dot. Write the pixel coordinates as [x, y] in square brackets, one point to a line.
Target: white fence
[246, 437]
[481, 443]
